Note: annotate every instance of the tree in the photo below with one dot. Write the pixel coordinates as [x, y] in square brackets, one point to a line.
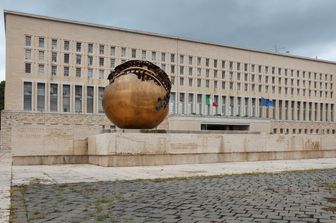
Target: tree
[2, 94]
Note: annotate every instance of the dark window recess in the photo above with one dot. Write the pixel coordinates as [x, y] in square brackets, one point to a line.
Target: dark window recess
[225, 127]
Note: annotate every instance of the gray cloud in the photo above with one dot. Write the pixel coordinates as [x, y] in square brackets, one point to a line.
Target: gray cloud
[304, 27]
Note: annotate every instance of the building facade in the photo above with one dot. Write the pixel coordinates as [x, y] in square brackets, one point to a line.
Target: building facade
[58, 66]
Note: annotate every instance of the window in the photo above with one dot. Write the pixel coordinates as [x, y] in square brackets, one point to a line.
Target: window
[78, 46]
[172, 69]
[27, 96]
[66, 98]
[53, 70]
[90, 48]
[199, 82]
[181, 70]
[133, 53]
[89, 99]
[199, 61]
[112, 63]
[40, 96]
[172, 58]
[66, 45]
[163, 57]
[27, 54]
[163, 67]
[101, 74]
[207, 72]
[41, 55]
[78, 59]
[27, 68]
[90, 73]
[41, 42]
[28, 41]
[101, 61]
[153, 56]
[199, 71]
[223, 63]
[143, 54]
[207, 62]
[54, 44]
[181, 81]
[207, 83]
[100, 99]
[54, 57]
[112, 51]
[78, 72]
[41, 68]
[90, 60]
[66, 71]
[123, 52]
[101, 49]
[190, 82]
[53, 97]
[190, 60]
[215, 63]
[78, 98]
[181, 59]
[190, 71]
[66, 58]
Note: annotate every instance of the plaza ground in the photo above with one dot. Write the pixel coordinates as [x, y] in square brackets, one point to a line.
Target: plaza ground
[225, 192]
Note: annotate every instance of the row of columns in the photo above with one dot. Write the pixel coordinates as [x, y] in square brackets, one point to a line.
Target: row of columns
[193, 103]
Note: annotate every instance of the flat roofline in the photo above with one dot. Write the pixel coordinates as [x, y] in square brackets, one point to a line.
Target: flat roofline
[10, 12]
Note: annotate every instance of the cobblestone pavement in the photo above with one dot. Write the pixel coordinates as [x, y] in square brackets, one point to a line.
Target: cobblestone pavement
[306, 196]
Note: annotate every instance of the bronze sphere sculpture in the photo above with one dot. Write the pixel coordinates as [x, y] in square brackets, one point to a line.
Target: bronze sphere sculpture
[137, 96]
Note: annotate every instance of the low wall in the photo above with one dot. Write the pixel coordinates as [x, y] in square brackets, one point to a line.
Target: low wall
[138, 149]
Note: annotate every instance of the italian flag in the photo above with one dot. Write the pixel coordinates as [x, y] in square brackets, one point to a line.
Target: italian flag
[208, 101]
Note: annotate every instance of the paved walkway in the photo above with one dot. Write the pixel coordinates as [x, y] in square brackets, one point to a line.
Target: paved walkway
[41, 181]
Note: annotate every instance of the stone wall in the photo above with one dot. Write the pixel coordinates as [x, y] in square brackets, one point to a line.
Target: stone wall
[22, 130]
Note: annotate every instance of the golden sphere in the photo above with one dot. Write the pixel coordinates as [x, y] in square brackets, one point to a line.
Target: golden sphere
[137, 96]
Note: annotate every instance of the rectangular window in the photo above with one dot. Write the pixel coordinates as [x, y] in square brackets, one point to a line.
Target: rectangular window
[215, 63]
[181, 81]
[190, 60]
[100, 99]
[41, 55]
[90, 48]
[181, 59]
[53, 44]
[172, 58]
[28, 41]
[143, 54]
[54, 57]
[40, 96]
[199, 83]
[78, 98]
[163, 57]
[27, 54]
[27, 68]
[90, 73]
[190, 71]
[66, 71]
[101, 49]
[53, 97]
[53, 70]
[89, 97]
[78, 72]
[78, 46]
[66, 58]
[153, 56]
[133, 53]
[41, 42]
[190, 82]
[163, 67]
[123, 52]
[66, 45]
[66, 98]
[112, 51]
[101, 61]
[78, 59]
[101, 74]
[27, 96]
[199, 71]
[172, 69]
[207, 62]
[181, 70]
[199, 61]
[41, 68]
[90, 60]
[112, 63]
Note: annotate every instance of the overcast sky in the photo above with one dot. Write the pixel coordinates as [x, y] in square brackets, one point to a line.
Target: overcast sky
[303, 27]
